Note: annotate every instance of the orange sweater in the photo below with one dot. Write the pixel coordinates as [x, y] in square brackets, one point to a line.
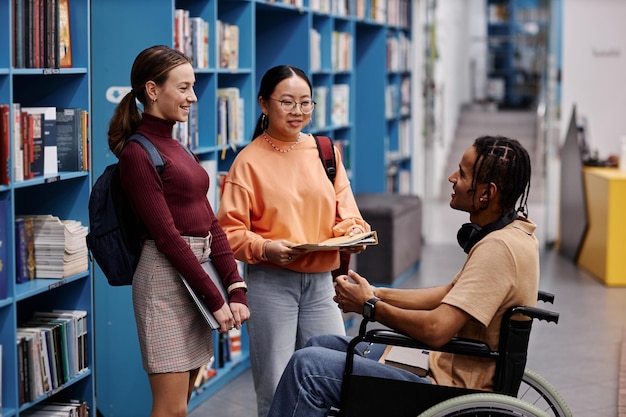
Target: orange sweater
[269, 195]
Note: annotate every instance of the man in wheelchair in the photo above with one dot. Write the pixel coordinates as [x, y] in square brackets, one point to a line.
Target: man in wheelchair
[501, 271]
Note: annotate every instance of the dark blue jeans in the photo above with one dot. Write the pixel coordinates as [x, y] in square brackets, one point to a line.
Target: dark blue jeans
[311, 383]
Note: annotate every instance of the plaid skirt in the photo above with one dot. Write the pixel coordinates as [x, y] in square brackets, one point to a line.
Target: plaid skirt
[173, 336]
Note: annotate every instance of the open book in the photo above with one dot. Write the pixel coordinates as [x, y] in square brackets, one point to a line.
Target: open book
[199, 298]
[409, 359]
[341, 242]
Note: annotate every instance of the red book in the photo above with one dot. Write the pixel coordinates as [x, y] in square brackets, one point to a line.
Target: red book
[5, 176]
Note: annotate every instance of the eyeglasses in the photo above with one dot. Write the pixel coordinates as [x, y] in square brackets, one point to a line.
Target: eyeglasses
[306, 107]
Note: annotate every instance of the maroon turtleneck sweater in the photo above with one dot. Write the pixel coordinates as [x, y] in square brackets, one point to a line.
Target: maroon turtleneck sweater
[174, 205]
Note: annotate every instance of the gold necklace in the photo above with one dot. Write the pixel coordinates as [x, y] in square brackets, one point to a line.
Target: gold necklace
[279, 149]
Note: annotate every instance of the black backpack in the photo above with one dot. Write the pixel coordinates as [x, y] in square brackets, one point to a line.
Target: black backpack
[115, 232]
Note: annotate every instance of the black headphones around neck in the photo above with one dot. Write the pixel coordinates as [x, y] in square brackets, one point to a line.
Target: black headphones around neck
[470, 233]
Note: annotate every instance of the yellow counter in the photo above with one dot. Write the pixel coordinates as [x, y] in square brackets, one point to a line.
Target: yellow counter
[603, 251]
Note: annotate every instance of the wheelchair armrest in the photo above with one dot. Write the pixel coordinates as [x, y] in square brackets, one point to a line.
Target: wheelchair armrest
[535, 313]
[455, 345]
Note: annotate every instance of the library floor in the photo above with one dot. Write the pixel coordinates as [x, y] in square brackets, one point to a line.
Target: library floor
[580, 355]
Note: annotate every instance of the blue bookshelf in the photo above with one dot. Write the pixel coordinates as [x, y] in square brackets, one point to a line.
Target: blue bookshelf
[63, 194]
[517, 31]
[270, 33]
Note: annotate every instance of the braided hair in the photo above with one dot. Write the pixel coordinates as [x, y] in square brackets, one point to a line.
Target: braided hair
[506, 163]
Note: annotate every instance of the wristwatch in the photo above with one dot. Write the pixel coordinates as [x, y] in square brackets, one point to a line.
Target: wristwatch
[369, 308]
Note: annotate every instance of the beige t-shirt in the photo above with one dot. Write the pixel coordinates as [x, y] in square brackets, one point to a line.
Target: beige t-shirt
[501, 271]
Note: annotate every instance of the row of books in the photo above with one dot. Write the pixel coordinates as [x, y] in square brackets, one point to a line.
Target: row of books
[341, 48]
[227, 44]
[398, 99]
[68, 408]
[42, 36]
[230, 116]
[47, 140]
[339, 105]
[191, 37]
[52, 350]
[399, 51]
[48, 247]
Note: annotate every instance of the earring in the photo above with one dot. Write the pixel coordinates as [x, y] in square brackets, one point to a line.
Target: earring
[264, 121]
[154, 100]
[481, 199]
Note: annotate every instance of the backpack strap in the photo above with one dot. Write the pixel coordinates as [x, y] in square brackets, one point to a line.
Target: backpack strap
[153, 152]
[326, 150]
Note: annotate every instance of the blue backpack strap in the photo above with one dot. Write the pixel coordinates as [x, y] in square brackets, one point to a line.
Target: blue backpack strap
[151, 150]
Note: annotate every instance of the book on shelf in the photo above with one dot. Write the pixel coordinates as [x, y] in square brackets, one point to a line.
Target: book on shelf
[340, 109]
[320, 97]
[315, 43]
[21, 252]
[34, 376]
[64, 34]
[60, 246]
[5, 145]
[342, 242]
[199, 42]
[70, 137]
[409, 359]
[79, 317]
[228, 45]
[230, 114]
[28, 154]
[4, 276]
[18, 150]
[49, 162]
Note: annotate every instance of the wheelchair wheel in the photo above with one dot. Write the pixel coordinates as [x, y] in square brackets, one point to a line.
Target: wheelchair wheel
[484, 405]
[538, 391]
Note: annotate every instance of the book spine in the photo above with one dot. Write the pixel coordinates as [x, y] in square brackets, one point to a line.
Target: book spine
[21, 252]
[5, 145]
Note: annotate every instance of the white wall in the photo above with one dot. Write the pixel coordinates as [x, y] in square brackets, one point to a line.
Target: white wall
[594, 70]
[459, 78]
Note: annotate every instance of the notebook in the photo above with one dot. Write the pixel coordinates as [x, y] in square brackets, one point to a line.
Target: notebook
[199, 298]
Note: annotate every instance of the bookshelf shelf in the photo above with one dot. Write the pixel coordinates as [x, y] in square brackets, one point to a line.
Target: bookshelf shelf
[62, 194]
[270, 33]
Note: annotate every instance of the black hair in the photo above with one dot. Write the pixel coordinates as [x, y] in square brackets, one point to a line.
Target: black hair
[506, 163]
[270, 80]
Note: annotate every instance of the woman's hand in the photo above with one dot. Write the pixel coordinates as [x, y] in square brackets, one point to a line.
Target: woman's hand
[282, 252]
[241, 313]
[225, 318]
[355, 249]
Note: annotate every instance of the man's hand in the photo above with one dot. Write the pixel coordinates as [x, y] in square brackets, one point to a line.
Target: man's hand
[351, 292]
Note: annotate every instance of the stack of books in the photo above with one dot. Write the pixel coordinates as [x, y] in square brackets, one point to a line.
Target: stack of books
[60, 247]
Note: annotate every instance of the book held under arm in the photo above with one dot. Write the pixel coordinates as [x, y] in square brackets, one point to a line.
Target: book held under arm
[409, 359]
[342, 242]
[198, 298]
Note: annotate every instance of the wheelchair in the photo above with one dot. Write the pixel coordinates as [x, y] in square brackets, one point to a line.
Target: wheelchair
[517, 391]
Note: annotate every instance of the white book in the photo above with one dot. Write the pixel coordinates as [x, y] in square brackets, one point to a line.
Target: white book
[50, 159]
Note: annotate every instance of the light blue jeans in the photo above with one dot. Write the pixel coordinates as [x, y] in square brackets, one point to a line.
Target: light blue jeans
[286, 309]
[311, 383]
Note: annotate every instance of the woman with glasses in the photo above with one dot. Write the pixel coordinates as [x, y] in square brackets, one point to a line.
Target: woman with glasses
[277, 195]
